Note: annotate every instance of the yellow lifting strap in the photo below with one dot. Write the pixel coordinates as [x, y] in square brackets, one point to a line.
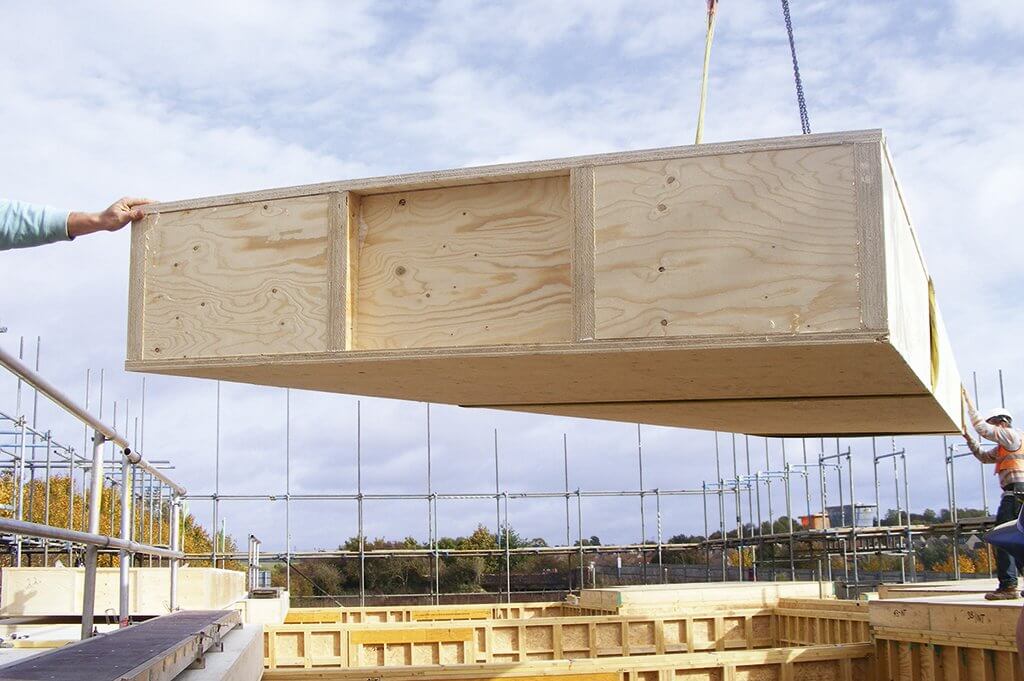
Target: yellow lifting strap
[712, 6]
[933, 334]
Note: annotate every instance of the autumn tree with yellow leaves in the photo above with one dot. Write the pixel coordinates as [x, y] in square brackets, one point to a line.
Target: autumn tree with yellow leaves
[68, 508]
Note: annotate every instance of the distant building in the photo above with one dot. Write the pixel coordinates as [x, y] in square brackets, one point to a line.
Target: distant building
[850, 515]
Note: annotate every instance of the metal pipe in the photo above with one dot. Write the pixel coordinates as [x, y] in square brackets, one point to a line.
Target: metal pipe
[431, 541]
[126, 530]
[95, 499]
[176, 542]
[46, 505]
[19, 500]
[56, 396]
[89, 539]
[288, 489]
[359, 504]
[643, 520]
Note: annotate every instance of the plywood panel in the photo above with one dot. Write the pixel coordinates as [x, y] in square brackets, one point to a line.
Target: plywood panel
[840, 416]
[250, 279]
[476, 265]
[619, 371]
[759, 242]
[906, 281]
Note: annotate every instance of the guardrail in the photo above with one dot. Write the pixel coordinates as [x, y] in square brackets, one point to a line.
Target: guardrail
[93, 540]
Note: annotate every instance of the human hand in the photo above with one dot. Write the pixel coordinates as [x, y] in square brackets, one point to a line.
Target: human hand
[116, 216]
[966, 396]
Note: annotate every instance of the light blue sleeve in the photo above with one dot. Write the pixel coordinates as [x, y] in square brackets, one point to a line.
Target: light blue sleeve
[26, 224]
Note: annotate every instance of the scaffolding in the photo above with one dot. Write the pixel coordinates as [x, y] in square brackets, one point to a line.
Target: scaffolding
[830, 470]
[28, 453]
[745, 543]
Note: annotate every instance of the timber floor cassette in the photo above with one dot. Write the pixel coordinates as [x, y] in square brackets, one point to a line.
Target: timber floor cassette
[768, 286]
[700, 627]
[847, 662]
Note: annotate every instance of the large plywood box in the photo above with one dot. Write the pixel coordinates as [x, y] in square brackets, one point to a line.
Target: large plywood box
[772, 286]
[59, 591]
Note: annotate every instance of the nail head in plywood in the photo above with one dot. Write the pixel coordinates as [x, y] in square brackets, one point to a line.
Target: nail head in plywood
[473, 265]
[763, 242]
[250, 279]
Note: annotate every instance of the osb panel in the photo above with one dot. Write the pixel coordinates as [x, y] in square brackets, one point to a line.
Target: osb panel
[575, 637]
[505, 639]
[609, 635]
[641, 633]
[764, 672]
[758, 242]
[703, 632]
[699, 675]
[450, 653]
[539, 638]
[237, 280]
[425, 654]
[733, 629]
[398, 654]
[289, 644]
[371, 655]
[674, 631]
[477, 265]
[325, 643]
[818, 670]
[761, 627]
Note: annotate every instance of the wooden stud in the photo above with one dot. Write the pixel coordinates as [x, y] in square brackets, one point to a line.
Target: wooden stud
[581, 180]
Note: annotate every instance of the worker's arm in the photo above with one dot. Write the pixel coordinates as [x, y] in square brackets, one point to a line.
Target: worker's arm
[982, 455]
[25, 224]
[1009, 438]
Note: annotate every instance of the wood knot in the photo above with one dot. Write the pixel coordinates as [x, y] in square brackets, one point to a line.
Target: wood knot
[401, 202]
[664, 322]
[400, 270]
[661, 269]
[670, 180]
[662, 207]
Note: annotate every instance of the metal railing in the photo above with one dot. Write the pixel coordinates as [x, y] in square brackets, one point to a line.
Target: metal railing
[92, 539]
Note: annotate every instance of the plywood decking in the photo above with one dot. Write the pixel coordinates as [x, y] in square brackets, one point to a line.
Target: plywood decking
[734, 286]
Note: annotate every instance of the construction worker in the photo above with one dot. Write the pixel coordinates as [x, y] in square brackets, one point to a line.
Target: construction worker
[1008, 455]
[25, 224]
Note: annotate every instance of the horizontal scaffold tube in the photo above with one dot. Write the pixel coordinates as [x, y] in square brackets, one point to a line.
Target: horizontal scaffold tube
[102, 541]
[54, 393]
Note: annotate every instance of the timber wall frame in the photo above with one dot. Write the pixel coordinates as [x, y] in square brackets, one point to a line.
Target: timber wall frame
[698, 628]
[329, 287]
[946, 638]
[425, 613]
[847, 662]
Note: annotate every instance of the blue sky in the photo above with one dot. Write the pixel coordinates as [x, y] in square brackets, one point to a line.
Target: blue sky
[190, 99]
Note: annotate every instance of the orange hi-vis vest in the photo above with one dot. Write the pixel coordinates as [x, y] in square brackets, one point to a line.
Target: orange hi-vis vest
[1009, 461]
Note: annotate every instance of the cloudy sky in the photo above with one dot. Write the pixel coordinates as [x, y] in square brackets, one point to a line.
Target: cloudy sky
[188, 99]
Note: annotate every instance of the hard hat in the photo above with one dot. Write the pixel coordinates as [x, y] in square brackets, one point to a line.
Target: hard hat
[999, 412]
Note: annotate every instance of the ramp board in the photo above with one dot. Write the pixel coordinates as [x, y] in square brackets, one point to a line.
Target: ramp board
[158, 648]
[771, 286]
